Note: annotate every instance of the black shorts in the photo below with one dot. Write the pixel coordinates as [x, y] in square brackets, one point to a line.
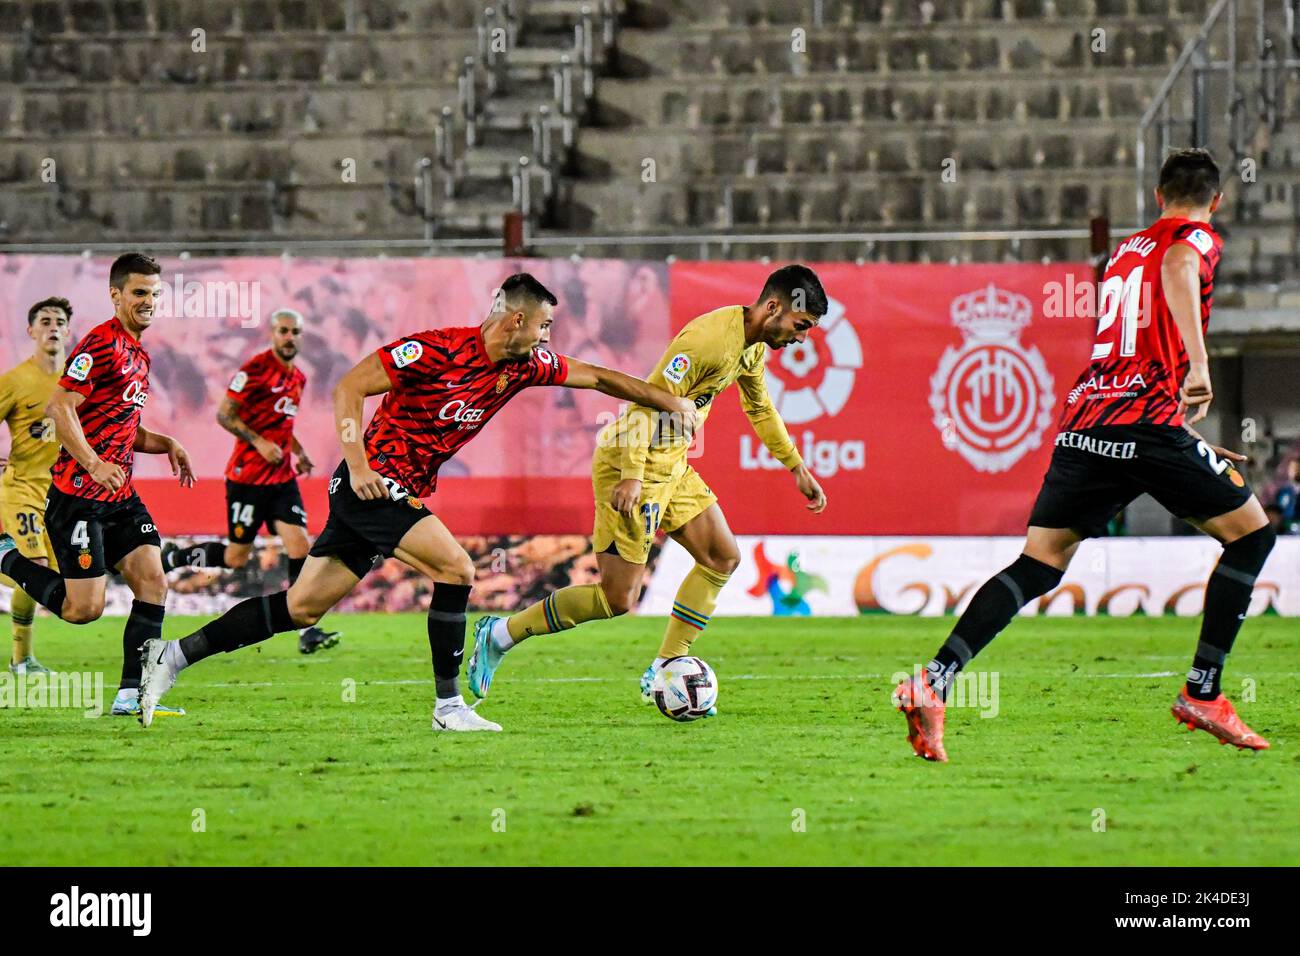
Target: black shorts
[1096, 472]
[248, 507]
[359, 532]
[91, 537]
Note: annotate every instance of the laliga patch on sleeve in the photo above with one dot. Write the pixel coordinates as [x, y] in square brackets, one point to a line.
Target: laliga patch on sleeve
[239, 381]
[79, 367]
[407, 353]
[1201, 240]
[677, 368]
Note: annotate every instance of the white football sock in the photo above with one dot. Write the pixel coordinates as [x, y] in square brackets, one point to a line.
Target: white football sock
[500, 635]
[659, 662]
[175, 656]
[128, 693]
[448, 703]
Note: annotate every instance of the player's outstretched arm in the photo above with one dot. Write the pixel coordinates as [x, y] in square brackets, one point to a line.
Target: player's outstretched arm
[228, 418]
[366, 378]
[62, 411]
[631, 389]
[156, 443]
[1180, 277]
[635, 443]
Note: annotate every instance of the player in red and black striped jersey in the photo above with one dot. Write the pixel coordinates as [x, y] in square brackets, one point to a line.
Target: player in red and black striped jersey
[259, 408]
[94, 517]
[1125, 431]
[440, 388]
[1139, 360]
[425, 419]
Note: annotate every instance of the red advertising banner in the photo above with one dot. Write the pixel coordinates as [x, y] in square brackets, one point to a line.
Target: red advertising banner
[926, 401]
[528, 472]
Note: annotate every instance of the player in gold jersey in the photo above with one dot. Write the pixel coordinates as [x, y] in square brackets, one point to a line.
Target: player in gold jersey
[643, 483]
[24, 391]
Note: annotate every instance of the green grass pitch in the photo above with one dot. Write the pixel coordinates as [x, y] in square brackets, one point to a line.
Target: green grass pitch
[806, 764]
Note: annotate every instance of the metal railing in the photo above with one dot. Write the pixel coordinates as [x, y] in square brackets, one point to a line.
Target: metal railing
[1223, 104]
[704, 243]
[1194, 55]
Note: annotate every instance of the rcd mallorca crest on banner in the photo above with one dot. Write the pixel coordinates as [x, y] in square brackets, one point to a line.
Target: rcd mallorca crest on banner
[992, 397]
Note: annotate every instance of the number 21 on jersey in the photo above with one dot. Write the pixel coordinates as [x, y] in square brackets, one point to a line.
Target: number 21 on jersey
[1121, 297]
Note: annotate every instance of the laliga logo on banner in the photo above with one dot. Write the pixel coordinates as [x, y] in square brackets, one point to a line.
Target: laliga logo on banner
[992, 397]
[829, 396]
[817, 395]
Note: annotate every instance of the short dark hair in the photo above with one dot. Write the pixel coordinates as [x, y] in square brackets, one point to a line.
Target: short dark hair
[793, 281]
[521, 285]
[132, 263]
[53, 302]
[1189, 177]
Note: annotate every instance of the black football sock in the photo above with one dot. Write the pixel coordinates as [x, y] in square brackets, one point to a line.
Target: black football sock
[204, 554]
[45, 585]
[145, 623]
[295, 568]
[990, 610]
[447, 635]
[248, 622]
[1227, 597]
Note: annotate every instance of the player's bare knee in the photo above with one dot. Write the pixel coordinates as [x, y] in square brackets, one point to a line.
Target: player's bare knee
[151, 587]
[236, 560]
[82, 612]
[724, 559]
[457, 570]
[725, 562]
[303, 614]
[620, 600]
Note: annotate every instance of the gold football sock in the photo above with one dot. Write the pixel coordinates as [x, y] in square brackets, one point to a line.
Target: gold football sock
[23, 613]
[696, 599]
[561, 610]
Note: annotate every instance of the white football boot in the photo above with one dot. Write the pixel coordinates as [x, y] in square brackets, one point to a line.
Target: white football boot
[161, 662]
[456, 715]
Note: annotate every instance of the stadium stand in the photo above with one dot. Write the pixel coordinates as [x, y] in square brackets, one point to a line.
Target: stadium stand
[346, 120]
[263, 118]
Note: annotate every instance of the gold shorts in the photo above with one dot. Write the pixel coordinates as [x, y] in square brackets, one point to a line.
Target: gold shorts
[22, 515]
[665, 506]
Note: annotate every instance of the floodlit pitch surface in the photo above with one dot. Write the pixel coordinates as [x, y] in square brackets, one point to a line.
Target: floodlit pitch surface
[285, 760]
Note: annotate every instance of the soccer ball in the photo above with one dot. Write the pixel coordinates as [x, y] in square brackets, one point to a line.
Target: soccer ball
[685, 688]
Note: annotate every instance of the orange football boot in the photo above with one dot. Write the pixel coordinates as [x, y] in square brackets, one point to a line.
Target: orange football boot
[1218, 718]
[924, 712]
